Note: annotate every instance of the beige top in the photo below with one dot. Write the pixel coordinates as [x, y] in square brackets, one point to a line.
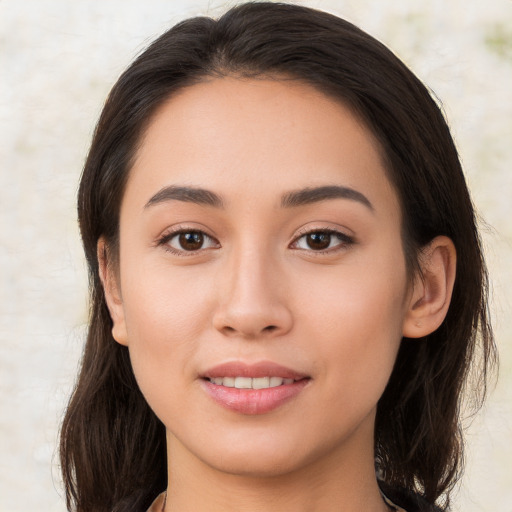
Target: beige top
[392, 505]
[159, 504]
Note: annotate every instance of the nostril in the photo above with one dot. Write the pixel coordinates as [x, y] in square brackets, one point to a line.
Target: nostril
[270, 328]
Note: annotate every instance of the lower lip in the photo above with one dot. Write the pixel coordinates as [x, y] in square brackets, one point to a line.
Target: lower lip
[254, 401]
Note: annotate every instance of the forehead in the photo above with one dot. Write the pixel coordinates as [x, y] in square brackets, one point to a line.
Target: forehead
[257, 136]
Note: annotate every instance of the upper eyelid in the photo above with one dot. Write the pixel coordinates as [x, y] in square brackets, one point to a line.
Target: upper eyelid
[181, 228]
[325, 229]
[170, 233]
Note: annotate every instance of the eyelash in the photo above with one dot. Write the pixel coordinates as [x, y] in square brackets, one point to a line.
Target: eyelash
[165, 239]
[344, 241]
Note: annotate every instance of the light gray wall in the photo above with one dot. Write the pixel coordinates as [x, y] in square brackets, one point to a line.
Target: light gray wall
[58, 60]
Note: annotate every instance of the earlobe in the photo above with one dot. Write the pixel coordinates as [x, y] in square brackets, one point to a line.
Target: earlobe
[432, 290]
[112, 292]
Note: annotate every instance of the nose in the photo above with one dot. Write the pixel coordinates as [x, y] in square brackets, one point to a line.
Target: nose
[252, 299]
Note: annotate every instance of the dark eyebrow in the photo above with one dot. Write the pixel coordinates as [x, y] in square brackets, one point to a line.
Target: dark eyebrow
[187, 194]
[313, 195]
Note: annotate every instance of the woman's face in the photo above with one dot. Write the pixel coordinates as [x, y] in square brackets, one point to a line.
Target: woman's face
[263, 288]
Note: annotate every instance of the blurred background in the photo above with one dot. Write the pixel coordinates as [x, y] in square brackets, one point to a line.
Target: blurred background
[58, 60]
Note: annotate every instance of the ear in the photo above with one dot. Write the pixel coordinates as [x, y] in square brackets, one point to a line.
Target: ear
[111, 289]
[432, 290]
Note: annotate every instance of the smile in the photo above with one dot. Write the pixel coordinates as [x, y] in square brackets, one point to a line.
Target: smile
[251, 389]
[251, 383]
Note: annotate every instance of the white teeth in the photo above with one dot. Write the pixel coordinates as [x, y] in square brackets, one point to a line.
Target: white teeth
[275, 381]
[243, 382]
[229, 382]
[251, 383]
[260, 382]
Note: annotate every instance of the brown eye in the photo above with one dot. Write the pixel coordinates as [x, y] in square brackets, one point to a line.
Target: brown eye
[188, 241]
[322, 240]
[191, 241]
[318, 241]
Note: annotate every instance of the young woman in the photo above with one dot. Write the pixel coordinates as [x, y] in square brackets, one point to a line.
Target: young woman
[286, 278]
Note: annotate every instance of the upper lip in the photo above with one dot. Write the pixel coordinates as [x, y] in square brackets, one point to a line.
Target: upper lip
[253, 370]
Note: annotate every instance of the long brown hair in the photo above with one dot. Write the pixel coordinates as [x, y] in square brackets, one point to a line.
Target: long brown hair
[112, 445]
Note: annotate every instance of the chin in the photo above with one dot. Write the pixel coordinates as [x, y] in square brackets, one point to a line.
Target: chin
[251, 466]
[263, 456]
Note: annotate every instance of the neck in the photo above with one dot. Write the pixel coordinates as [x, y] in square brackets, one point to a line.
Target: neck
[333, 483]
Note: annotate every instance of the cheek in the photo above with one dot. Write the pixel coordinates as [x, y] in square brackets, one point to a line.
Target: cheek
[355, 320]
[165, 314]
[165, 302]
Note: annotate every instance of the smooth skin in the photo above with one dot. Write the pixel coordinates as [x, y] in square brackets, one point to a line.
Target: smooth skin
[319, 286]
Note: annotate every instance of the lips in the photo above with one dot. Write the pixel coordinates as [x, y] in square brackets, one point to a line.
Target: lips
[260, 369]
[253, 389]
